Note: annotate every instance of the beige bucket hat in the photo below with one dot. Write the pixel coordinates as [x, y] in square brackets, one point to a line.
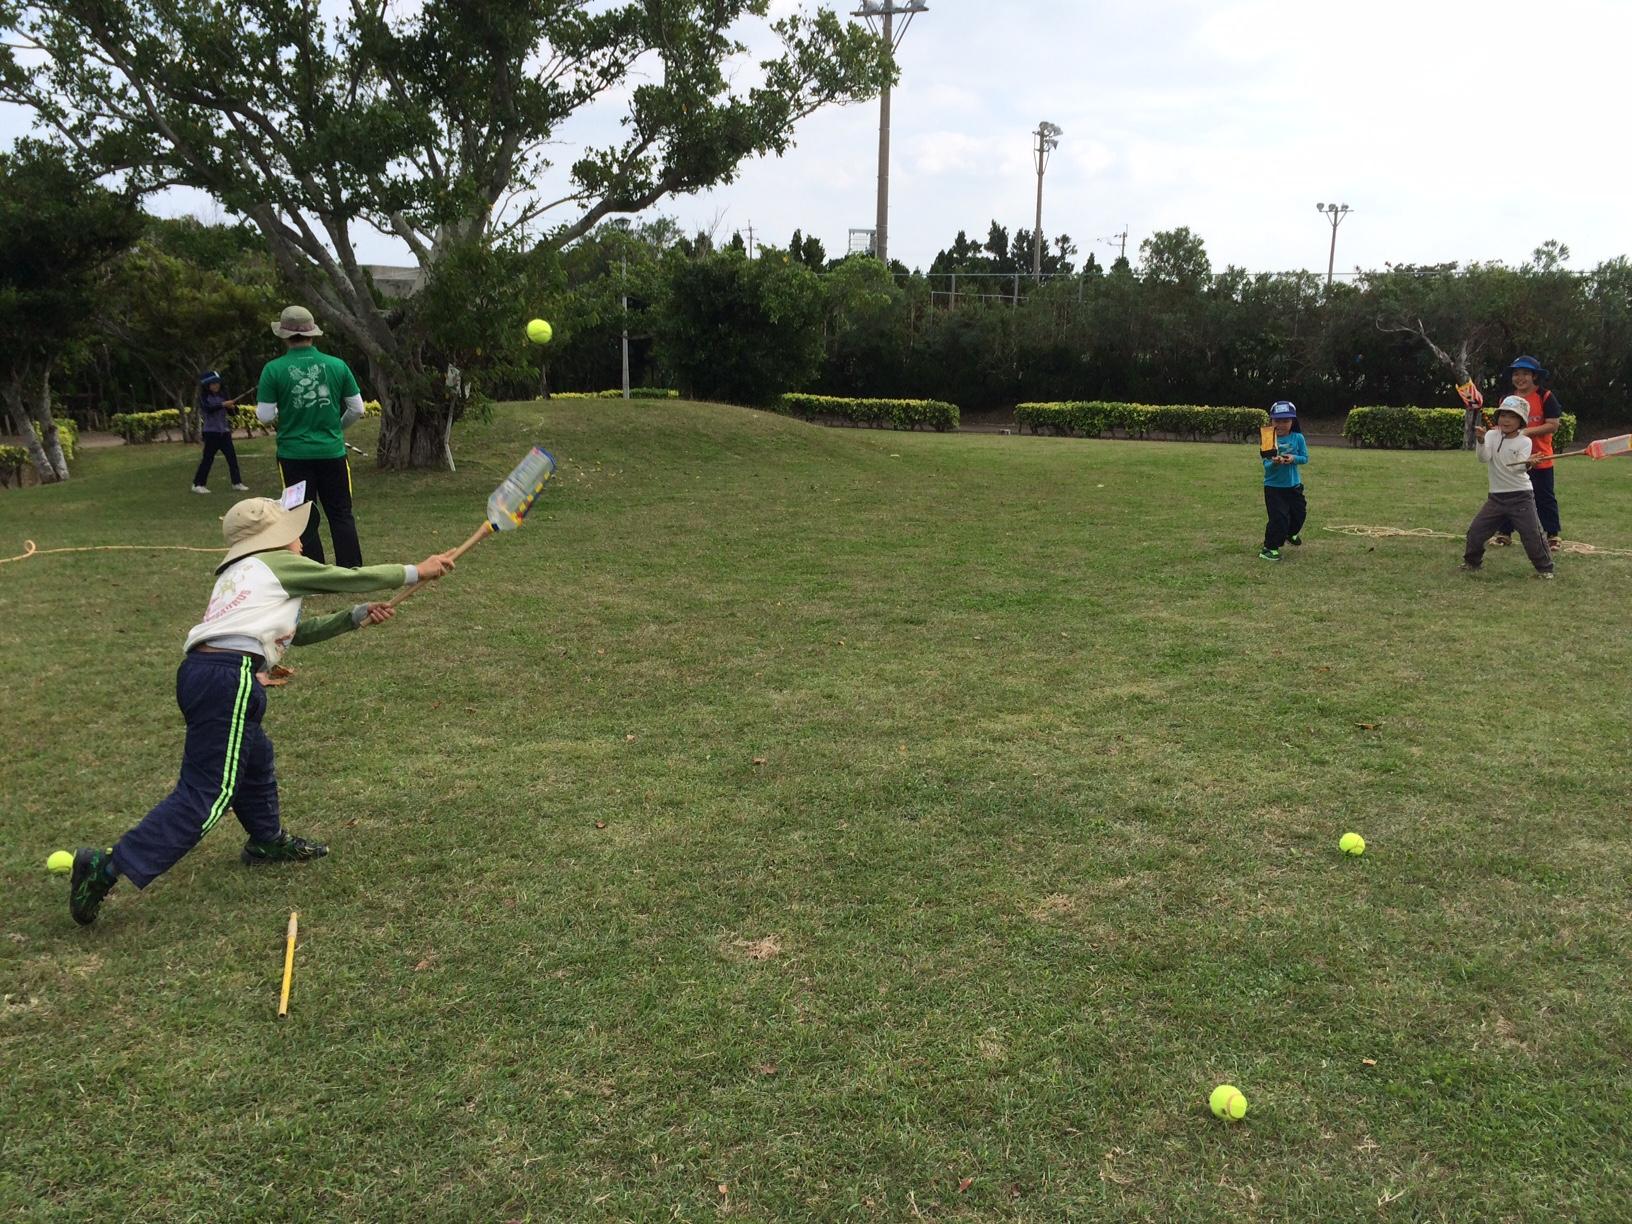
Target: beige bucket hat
[260, 524]
[295, 321]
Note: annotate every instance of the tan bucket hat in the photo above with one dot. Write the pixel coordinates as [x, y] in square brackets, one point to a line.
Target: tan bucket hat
[295, 321]
[259, 524]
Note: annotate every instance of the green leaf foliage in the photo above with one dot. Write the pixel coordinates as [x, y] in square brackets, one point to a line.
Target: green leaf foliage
[876, 413]
[740, 330]
[1424, 428]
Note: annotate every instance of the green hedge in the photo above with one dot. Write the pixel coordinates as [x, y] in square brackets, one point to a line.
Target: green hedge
[634, 393]
[1097, 418]
[877, 413]
[1424, 428]
[146, 426]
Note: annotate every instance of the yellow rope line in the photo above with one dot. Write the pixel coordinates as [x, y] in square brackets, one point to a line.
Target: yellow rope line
[1569, 547]
[30, 549]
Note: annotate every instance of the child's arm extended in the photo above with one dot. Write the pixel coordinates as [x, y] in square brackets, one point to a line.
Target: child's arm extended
[321, 628]
[301, 576]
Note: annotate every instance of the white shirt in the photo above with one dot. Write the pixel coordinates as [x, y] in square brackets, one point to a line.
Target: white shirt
[1505, 457]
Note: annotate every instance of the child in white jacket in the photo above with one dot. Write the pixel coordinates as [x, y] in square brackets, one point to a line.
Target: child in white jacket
[1506, 452]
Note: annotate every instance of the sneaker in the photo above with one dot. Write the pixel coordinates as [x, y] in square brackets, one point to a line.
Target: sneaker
[1269, 554]
[89, 883]
[201, 489]
[1295, 540]
[1469, 568]
[287, 849]
[1544, 574]
[1501, 541]
[1554, 543]
[242, 488]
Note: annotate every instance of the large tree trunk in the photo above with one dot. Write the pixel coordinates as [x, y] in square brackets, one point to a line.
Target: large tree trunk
[50, 436]
[414, 428]
[12, 392]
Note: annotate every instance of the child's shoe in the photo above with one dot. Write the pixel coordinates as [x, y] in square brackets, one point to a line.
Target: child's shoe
[287, 849]
[1544, 574]
[201, 488]
[1269, 554]
[1467, 567]
[1295, 540]
[90, 882]
[242, 488]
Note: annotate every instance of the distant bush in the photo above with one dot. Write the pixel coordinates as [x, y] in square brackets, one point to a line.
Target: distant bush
[877, 413]
[1098, 418]
[145, 426]
[640, 393]
[1424, 428]
[13, 459]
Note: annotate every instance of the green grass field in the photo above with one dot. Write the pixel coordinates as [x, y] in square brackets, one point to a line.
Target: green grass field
[795, 824]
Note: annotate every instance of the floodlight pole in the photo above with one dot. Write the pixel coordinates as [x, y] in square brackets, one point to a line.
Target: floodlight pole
[886, 11]
[624, 285]
[1335, 214]
[1048, 139]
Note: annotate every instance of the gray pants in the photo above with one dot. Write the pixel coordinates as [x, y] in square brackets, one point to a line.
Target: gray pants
[1520, 510]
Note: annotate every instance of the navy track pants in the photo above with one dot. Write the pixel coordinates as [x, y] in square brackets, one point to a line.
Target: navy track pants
[226, 762]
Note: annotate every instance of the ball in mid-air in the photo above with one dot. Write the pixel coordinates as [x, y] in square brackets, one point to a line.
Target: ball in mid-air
[60, 862]
[539, 332]
[1228, 1103]
[1352, 843]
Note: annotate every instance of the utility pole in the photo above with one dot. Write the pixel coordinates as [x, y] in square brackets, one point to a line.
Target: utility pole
[886, 11]
[625, 287]
[750, 240]
[1048, 139]
[1120, 241]
[1335, 214]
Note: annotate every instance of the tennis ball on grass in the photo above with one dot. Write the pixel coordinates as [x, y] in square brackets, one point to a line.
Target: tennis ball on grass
[1352, 843]
[539, 332]
[1228, 1103]
[60, 862]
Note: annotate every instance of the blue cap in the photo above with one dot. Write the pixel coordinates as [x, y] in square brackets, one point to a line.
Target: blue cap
[1283, 410]
[209, 376]
[1528, 363]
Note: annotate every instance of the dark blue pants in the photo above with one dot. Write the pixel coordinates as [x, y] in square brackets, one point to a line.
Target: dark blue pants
[226, 762]
[1541, 480]
[1287, 512]
[217, 443]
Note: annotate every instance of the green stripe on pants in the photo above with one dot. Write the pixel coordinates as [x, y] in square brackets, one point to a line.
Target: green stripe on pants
[235, 743]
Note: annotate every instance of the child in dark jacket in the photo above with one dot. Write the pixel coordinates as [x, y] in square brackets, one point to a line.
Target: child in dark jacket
[215, 412]
[1283, 484]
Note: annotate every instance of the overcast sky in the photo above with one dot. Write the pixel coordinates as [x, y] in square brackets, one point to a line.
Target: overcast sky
[1455, 130]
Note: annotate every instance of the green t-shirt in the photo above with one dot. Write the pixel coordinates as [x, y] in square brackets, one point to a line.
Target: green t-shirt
[310, 389]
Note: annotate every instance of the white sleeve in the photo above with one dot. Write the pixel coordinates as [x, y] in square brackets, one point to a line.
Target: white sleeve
[266, 413]
[354, 411]
[1483, 449]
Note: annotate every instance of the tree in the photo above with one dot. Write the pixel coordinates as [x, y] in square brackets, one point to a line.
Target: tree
[1177, 258]
[58, 231]
[741, 330]
[427, 123]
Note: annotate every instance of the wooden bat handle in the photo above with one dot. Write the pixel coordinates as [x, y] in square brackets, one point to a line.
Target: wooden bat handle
[486, 529]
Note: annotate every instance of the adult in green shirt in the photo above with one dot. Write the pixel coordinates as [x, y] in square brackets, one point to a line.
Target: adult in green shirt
[313, 397]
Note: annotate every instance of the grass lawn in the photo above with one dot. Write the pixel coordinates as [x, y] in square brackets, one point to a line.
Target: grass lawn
[819, 824]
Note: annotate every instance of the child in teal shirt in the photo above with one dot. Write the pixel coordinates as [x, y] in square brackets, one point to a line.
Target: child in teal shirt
[1283, 484]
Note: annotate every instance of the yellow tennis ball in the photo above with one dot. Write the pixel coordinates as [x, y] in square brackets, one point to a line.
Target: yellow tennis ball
[539, 332]
[60, 862]
[1228, 1103]
[1352, 843]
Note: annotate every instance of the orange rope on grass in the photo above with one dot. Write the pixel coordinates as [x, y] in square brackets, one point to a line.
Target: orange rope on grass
[1568, 547]
[30, 549]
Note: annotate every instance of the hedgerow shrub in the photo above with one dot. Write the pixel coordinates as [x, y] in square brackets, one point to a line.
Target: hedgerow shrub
[145, 426]
[1097, 418]
[13, 459]
[634, 393]
[1424, 428]
[877, 413]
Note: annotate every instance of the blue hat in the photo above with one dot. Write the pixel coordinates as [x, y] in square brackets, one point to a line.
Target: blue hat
[209, 376]
[1283, 410]
[1528, 363]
